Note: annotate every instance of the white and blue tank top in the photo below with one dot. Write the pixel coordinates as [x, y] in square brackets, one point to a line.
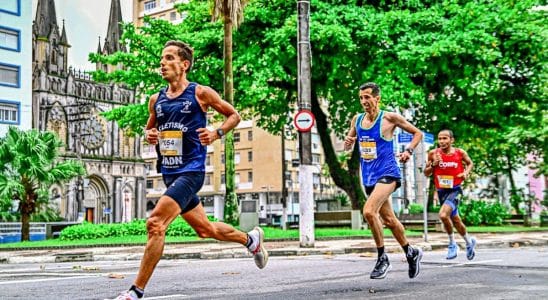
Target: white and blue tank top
[177, 119]
[377, 157]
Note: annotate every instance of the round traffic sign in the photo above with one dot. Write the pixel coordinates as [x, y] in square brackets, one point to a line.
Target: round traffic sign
[304, 120]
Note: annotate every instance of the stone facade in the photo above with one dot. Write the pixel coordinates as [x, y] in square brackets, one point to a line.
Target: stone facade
[70, 103]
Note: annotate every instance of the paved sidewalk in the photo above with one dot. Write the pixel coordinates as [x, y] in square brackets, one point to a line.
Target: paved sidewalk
[216, 250]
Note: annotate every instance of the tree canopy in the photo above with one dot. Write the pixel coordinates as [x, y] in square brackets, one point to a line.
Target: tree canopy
[477, 67]
[28, 166]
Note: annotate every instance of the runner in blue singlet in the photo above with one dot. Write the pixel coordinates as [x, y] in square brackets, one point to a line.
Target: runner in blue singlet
[374, 131]
[177, 126]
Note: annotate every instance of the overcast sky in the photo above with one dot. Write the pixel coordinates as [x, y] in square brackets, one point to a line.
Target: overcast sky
[85, 20]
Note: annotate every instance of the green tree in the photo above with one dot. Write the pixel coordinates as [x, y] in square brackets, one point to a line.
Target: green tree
[477, 67]
[231, 12]
[29, 164]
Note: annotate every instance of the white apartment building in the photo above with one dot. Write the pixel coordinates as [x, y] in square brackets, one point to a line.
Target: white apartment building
[15, 64]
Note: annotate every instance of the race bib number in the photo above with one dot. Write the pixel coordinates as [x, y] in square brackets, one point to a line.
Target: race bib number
[445, 181]
[171, 143]
[368, 150]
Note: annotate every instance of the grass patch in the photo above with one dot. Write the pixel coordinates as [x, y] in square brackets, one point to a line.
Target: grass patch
[271, 233]
[123, 240]
[504, 229]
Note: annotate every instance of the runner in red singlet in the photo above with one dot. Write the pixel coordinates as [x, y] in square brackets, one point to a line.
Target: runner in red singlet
[450, 167]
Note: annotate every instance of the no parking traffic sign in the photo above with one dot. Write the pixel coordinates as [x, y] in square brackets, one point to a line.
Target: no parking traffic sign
[304, 120]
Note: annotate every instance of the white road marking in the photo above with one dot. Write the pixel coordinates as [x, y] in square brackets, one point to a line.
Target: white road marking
[59, 277]
[475, 262]
[44, 279]
[178, 296]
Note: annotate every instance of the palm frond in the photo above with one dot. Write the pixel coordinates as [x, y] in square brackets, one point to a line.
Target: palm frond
[233, 11]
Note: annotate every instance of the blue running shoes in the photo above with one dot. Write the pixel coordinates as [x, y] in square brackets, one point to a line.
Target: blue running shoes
[452, 250]
[470, 249]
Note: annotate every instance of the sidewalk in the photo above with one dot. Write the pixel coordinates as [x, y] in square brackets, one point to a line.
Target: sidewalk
[217, 250]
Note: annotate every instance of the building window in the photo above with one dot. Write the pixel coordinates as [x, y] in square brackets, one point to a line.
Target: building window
[223, 158]
[150, 5]
[237, 158]
[208, 160]
[236, 137]
[9, 39]
[173, 16]
[223, 178]
[207, 180]
[315, 158]
[314, 146]
[150, 184]
[9, 75]
[9, 112]
[11, 7]
[249, 176]
[250, 135]
[250, 156]
[237, 178]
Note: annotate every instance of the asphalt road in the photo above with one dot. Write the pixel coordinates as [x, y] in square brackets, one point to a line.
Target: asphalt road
[509, 273]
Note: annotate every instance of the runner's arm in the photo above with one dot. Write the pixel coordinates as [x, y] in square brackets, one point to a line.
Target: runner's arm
[429, 169]
[151, 132]
[351, 136]
[402, 123]
[209, 97]
[468, 165]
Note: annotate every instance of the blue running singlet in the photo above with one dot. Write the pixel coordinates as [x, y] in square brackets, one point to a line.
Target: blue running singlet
[178, 119]
[377, 156]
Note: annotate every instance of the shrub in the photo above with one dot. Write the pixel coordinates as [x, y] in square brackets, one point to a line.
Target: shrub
[483, 213]
[343, 199]
[415, 208]
[86, 231]
[434, 208]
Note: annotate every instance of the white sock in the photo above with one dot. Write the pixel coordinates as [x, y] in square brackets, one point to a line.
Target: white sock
[466, 238]
[451, 238]
[253, 235]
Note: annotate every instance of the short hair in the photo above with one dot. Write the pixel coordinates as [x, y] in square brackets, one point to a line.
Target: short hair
[375, 89]
[185, 51]
[448, 131]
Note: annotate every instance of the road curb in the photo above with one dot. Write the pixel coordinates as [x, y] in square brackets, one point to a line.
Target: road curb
[90, 256]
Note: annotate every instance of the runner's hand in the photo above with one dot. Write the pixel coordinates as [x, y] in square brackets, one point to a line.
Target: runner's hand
[206, 136]
[437, 159]
[404, 156]
[151, 136]
[349, 142]
[462, 175]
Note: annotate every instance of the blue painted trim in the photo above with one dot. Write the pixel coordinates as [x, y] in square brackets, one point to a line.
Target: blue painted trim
[16, 103]
[15, 30]
[18, 85]
[16, 13]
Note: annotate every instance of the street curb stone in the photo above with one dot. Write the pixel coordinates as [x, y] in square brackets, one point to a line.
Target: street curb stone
[217, 250]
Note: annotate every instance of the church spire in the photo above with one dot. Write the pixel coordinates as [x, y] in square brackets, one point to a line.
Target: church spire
[64, 40]
[114, 32]
[99, 46]
[46, 18]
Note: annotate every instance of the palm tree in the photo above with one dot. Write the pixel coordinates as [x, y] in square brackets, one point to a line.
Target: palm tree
[28, 166]
[232, 14]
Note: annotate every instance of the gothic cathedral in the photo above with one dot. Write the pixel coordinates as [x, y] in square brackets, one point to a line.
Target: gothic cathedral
[70, 103]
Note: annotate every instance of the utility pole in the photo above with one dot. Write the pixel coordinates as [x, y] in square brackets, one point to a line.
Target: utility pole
[284, 186]
[306, 192]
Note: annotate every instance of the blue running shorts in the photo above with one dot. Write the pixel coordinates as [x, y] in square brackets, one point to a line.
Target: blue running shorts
[385, 180]
[183, 188]
[450, 197]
